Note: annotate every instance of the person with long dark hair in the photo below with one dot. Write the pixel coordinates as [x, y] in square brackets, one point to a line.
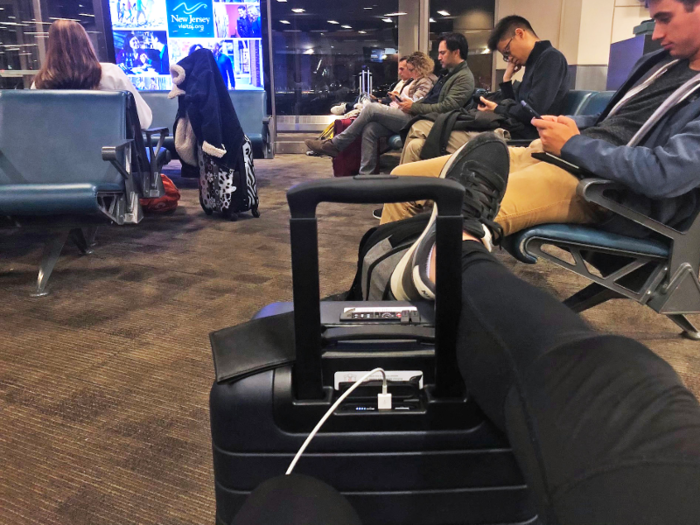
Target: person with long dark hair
[71, 63]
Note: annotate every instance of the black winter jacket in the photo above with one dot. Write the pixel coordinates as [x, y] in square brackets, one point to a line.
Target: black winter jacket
[544, 86]
[204, 99]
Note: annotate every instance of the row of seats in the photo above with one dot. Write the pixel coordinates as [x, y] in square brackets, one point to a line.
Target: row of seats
[78, 171]
[660, 271]
[251, 108]
[577, 102]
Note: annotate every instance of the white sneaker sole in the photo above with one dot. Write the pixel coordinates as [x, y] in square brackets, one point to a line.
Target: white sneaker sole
[397, 276]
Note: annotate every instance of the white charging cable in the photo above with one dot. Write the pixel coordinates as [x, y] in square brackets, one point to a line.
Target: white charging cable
[383, 403]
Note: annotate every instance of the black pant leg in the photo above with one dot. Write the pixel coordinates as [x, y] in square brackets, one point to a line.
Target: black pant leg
[603, 429]
[505, 324]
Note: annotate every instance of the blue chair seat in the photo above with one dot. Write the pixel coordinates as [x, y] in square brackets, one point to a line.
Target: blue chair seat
[163, 155]
[585, 236]
[274, 309]
[257, 140]
[53, 199]
[395, 142]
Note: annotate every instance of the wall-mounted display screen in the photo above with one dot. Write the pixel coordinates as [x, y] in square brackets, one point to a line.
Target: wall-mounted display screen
[149, 35]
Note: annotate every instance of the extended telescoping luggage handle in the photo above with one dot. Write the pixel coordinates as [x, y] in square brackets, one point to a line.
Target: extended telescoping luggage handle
[303, 200]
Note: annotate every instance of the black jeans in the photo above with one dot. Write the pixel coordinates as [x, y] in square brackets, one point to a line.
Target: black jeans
[603, 429]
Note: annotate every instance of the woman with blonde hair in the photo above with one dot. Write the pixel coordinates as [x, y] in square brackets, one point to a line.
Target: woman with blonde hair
[71, 63]
[420, 66]
[376, 120]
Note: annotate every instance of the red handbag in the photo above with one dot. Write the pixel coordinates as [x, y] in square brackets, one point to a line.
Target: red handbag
[167, 202]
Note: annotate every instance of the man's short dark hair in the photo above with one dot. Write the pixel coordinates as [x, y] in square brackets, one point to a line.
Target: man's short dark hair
[455, 41]
[505, 28]
[689, 4]
[404, 58]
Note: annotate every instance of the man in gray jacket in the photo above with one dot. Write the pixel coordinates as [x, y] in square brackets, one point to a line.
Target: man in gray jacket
[454, 88]
[451, 91]
[660, 166]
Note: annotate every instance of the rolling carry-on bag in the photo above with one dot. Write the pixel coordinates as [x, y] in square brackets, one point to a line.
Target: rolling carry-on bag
[225, 189]
[433, 458]
[347, 163]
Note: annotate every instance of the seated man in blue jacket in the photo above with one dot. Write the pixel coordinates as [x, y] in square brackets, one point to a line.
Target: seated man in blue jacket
[660, 166]
[544, 86]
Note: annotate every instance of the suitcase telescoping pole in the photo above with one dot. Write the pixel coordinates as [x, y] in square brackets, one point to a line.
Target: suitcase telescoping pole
[303, 199]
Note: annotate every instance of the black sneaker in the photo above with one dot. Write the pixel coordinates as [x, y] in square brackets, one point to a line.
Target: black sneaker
[482, 167]
[377, 214]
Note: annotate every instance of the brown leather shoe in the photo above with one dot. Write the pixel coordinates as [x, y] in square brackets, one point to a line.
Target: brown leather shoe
[322, 147]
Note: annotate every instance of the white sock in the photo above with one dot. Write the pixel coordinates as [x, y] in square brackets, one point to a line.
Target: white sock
[487, 239]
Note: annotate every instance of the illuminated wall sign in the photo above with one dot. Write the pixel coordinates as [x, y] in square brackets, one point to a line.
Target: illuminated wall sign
[190, 18]
[149, 35]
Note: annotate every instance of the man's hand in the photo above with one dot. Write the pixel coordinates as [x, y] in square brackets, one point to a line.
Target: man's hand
[405, 106]
[511, 69]
[486, 105]
[555, 132]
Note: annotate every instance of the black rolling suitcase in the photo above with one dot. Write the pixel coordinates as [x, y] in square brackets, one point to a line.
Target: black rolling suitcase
[431, 460]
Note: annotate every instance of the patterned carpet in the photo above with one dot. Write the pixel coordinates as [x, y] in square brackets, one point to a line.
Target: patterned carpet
[104, 383]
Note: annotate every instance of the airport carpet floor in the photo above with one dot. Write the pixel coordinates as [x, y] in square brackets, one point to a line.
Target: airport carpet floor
[104, 383]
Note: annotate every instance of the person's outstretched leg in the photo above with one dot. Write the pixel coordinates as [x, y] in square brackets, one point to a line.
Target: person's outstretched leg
[395, 211]
[603, 429]
[391, 118]
[370, 146]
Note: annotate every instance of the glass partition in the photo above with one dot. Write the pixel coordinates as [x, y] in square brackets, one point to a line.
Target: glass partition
[320, 48]
[24, 26]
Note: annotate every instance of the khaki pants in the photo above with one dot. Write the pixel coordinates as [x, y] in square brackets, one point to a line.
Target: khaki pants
[537, 193]
[419, 133]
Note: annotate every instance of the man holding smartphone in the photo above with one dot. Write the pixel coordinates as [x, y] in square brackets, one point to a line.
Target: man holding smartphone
[660, 168]
[544, 86]
[546, 79]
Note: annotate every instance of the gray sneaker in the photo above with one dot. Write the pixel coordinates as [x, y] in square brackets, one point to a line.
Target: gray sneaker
[322, 147]
[482, 167]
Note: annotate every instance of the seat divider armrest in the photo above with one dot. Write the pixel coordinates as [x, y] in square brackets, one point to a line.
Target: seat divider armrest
[593, 190]
[163, 131]
[116, 155]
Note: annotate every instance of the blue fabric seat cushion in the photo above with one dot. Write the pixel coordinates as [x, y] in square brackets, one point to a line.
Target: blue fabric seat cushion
[162, 156]
[395, 142]
[585, 236]
[274, 309]
[53, 199]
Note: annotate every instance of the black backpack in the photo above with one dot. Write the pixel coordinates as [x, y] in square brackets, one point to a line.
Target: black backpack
[381, 249]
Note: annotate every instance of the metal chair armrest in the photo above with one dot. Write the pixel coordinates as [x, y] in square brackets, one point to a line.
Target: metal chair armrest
[117, 155]
[593, 190]
[152, 183]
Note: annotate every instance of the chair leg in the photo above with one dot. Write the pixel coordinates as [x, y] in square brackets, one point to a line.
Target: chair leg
[688, 328]
[592, 295]
[78, 237]
[52, 251]
[91, 235]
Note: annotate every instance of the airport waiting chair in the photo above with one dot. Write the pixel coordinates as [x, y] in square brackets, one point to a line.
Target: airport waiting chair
[577, 102]
[69, 163]
[660, 272]
[251, 109]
